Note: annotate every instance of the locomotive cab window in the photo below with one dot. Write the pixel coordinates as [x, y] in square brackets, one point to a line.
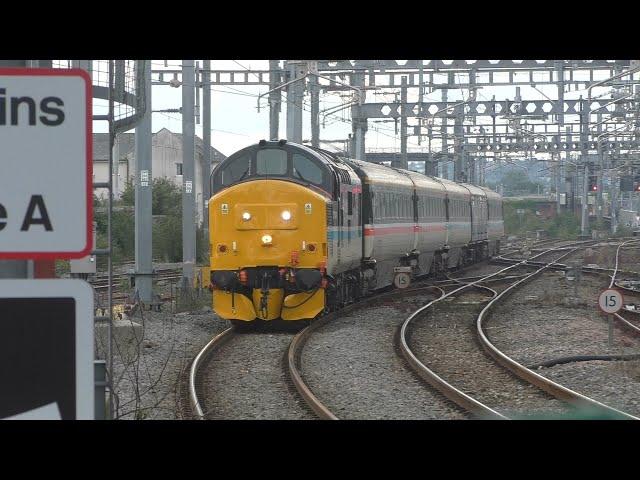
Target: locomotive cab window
[271, 161]
[235, 171]
[307, 170]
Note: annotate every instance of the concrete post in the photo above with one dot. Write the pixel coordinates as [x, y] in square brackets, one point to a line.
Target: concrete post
[143, 197]
[206, 141]
[314, 90]
[115, 181]
[359, 124]
[600, 173]
[403, 124]
[295, 99]
[584, 125]
[444, 164]
[459, 173]
[188, 173]
[274, 99]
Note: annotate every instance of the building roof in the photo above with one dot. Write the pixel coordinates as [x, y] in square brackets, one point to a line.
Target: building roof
[128, 145]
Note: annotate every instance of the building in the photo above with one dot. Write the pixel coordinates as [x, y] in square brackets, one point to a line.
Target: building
[166, 161]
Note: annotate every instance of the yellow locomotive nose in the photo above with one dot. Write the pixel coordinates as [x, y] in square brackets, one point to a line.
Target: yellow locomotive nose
[258, 277]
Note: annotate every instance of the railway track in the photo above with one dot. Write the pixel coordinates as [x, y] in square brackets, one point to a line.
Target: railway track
[624, 320]
[101, 282]
[479, 408]
[510, 274]
[290, 379]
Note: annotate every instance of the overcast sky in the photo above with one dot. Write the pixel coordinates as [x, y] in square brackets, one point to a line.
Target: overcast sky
[236, 122]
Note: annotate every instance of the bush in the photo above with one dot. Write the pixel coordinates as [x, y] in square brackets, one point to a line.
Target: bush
[167, 224]
[565, 225]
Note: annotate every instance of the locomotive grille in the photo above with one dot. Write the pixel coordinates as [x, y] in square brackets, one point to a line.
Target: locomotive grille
[329, 214]
[344, 176]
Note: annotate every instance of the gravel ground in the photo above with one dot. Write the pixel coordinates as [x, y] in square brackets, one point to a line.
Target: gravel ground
[245, 379]
[558, 320]
[351, 365]
[147, 369]
[445, 341]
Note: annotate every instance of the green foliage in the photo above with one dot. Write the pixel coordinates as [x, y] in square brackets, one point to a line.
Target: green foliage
[565, 225]
[167, 224]
[517, 182]
[166, 197]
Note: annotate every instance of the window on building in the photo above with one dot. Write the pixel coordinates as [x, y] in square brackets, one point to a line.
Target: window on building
[178, 168]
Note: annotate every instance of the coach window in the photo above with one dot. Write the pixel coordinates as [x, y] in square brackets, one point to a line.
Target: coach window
[349, 203]
[271, 161]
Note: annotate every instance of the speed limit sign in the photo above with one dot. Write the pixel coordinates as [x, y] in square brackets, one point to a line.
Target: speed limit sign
[402, 280]
[610, 301]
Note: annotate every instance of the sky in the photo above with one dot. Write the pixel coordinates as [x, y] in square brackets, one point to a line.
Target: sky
[237, 123]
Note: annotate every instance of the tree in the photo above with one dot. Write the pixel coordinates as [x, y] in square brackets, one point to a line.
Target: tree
[166, 197]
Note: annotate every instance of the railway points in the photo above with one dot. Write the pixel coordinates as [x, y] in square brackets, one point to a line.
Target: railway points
[461, 275]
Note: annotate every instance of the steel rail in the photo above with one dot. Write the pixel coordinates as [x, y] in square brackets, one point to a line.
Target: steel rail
[297, 344]
[626, 323]
[459, 397]
[216, 342]
[553, 388]
[448, 390]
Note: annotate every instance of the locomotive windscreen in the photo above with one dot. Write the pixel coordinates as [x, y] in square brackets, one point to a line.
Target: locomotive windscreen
[273, 161]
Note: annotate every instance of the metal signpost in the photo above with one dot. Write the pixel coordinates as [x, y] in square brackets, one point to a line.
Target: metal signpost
[46, 350]
[610, 302]
[46, 212]
[402, 277]
[46, 163]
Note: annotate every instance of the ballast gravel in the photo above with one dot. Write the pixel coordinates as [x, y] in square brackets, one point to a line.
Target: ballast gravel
[559, 318]
[147, 370]
[445, 340]
[245, 380]
[351, 365]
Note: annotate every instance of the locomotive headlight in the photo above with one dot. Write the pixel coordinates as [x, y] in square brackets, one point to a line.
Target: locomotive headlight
[266, 239]
[286, 215]
[246, 216]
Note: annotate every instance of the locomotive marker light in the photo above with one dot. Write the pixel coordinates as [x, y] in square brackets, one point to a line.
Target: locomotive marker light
[246, 216]
[266, 240]
[610, 302]
[46, 183]
[286, 215]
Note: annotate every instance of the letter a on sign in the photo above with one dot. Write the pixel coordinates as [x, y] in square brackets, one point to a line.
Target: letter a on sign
[46, 177]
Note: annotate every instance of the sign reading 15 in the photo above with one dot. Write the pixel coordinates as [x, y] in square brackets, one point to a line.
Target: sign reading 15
[610, 301]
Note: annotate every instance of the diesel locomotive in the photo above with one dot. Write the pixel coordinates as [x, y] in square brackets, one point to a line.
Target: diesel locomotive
[296, 230]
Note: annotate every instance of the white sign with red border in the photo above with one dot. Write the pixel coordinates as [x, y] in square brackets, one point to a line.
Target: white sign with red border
[610, 301]
[46, 175]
